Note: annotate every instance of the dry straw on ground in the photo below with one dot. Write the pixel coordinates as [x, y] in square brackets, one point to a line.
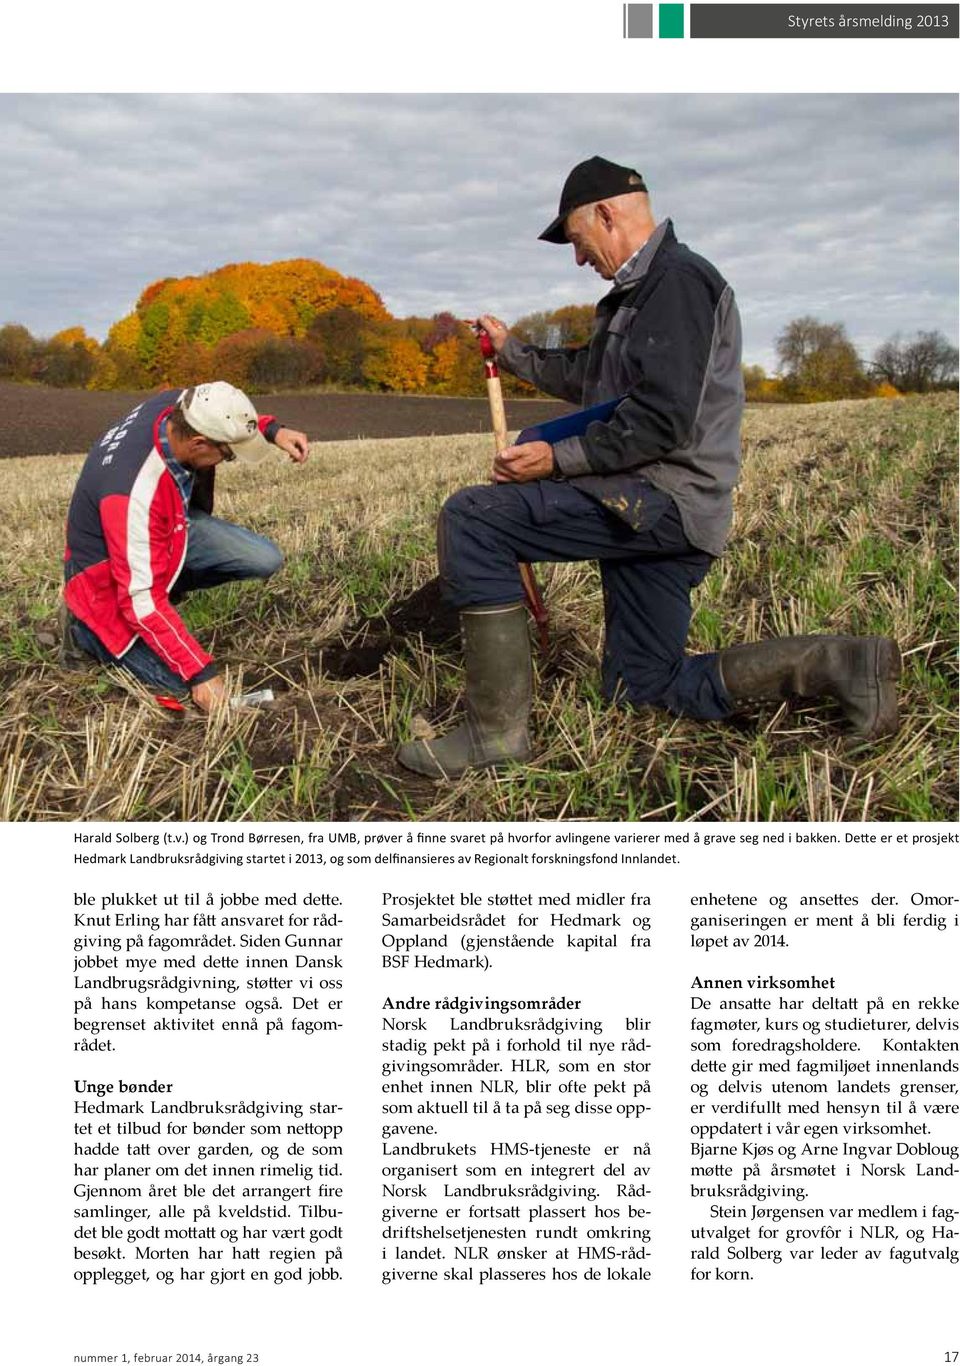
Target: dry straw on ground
[846, 521]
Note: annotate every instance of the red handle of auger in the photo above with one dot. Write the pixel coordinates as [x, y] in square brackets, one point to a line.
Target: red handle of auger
[169, 703]
[536, 605]
[486, 345]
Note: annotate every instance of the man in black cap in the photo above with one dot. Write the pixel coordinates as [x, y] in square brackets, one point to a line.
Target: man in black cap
[647, 492]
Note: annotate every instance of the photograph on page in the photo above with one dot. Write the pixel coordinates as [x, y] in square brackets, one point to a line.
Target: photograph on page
[589, 458]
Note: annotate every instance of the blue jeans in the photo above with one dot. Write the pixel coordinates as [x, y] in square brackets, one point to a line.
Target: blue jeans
[217, 552]
[648, 575]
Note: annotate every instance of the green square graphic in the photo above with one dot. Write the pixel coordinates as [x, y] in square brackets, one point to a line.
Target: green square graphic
[671, 21]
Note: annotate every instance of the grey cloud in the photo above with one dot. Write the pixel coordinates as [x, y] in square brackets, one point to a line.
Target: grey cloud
[843, 206]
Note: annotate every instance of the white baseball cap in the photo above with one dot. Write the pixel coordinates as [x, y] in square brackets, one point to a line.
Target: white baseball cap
[225, 415]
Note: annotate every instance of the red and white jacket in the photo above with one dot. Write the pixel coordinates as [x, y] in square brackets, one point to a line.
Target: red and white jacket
[127, 541]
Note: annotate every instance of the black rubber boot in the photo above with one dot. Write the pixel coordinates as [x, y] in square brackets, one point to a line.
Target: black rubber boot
[496, 654]
[860, 672]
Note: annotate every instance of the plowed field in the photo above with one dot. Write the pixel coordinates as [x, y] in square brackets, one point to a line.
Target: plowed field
[36, 420]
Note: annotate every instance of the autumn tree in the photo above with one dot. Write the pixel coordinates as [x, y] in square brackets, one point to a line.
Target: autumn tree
[394, 362]
[190, 363]
[339, 333]
[454, 356]
[157, 342]
[118, 366]
[18, 349]
[445, 364]
[209, 321]
[66, 364]
[175, 319]
[69, 336]
[818, 361]
[232, 357]
[444, 327]
[284, 363]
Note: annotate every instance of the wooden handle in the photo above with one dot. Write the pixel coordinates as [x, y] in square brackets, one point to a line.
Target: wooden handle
[498, 416]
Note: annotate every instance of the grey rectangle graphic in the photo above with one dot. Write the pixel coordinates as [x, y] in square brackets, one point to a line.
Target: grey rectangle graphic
[638, 21]
[823, 21]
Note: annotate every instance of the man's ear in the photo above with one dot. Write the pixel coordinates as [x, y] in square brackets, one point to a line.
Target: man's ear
[605, 214]
[195, 446]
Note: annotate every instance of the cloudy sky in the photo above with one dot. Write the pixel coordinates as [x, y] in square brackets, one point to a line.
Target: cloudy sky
[841, 206]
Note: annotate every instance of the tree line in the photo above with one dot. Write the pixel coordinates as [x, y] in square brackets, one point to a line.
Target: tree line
[817, 362]
[287, 325]
[299, 324]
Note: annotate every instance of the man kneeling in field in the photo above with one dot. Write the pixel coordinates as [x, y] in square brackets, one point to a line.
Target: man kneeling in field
[140, 535]
[646, 492]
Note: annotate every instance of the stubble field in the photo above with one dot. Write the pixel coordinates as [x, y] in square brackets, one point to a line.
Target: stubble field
[845, 521]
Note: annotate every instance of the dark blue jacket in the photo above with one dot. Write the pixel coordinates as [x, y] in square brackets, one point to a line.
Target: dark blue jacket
[667, 338]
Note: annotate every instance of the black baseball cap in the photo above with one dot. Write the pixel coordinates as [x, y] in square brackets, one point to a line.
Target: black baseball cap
[586, 184]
